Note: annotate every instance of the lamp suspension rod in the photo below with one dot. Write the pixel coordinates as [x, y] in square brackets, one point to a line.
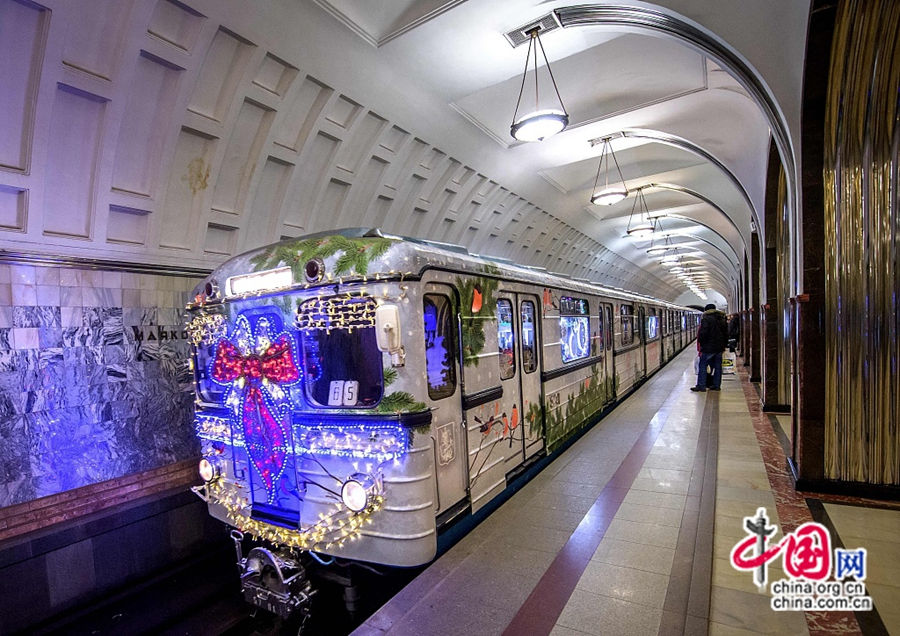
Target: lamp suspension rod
[600, 167]
[524, 75]
[618, 169]
[549, 70]
[605, 151]
[631, 216]
[534, 36]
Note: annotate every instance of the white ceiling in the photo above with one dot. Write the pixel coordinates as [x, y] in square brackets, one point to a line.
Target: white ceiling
[610, 80]
[201, 128]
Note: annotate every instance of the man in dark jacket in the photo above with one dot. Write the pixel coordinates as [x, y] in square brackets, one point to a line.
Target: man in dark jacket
[712, 338]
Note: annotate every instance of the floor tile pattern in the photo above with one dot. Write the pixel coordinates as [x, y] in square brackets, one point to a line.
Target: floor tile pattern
[788, 512]
[630, 531]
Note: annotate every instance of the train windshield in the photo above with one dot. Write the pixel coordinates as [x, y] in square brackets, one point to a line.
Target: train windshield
[341, 360]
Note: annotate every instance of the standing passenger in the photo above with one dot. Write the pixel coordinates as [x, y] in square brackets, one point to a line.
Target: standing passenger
[711, 339]
[734, 331]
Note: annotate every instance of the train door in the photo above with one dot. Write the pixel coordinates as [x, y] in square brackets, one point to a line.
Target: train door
[531, 417]
[510, 416]
[443, 379]
[642, 331]
[658, 319]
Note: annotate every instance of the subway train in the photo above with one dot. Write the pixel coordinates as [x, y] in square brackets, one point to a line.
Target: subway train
[356, 392]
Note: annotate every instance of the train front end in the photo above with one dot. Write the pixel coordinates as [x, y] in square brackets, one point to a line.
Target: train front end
[312, 438]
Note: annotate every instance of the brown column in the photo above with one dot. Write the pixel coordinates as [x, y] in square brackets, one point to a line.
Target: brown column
[754, 276]
[809, 316]
[769, 310]
[745, 315]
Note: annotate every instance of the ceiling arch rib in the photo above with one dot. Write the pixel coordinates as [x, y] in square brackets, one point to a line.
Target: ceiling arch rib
[699, 196]
[691, 177]
[698, 150]
[644, 18]
[712, 253]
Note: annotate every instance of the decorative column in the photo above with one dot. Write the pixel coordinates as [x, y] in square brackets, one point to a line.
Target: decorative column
[809, 412]
[754, 276]
[770, 312]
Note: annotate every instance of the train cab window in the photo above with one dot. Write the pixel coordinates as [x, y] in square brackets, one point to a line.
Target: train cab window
[529, 338]
[652, 325]
[574, 329]
[506, 339]
[341, 359]
[440, 356]
[627, 313]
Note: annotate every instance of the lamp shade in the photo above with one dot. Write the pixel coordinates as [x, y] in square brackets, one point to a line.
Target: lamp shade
[539, 125]
[640, 230]
[609, 196]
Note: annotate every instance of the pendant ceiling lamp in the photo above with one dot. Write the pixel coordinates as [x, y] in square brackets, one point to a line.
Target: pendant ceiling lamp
[540, 123]
[604, 193]
[661, 248]
[643, 226]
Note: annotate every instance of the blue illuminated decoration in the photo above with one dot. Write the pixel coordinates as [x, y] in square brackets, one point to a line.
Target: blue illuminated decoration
[255, 363]
[569, 306]
[652, 327]
[574, 337]
[381, 442]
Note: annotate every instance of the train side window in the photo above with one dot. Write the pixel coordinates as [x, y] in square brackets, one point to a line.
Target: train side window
[529, 338]
[627, 313]
[574, 329]
[609, 331]
[599, 336]
[440, 353]
[506, 340]
[652, 325]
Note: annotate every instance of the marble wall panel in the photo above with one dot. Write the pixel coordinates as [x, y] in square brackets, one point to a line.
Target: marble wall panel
[91, 387]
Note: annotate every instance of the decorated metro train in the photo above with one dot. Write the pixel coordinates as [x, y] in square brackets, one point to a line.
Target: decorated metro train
[357, 391]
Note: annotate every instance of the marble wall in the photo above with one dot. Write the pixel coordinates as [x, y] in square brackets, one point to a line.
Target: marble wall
[94, 378]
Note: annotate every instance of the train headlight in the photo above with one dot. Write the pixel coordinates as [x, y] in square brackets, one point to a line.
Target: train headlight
[314, 270]
[209, 469]
[356, 491]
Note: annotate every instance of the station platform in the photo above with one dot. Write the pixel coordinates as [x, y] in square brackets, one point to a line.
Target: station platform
[630, 531]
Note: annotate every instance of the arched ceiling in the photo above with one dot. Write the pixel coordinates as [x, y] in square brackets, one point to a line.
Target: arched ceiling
[183, 132]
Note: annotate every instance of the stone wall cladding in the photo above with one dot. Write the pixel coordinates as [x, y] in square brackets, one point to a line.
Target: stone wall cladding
[94, 378]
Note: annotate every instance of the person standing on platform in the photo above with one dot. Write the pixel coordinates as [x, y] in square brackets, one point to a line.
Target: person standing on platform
[712, 338]
[734, 331]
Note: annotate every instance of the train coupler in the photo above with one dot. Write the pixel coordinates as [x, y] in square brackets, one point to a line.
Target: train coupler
[276, 582]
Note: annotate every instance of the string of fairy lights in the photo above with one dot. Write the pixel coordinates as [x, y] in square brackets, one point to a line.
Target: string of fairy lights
[333, 529]
[336, 313]
[205, 329]
[379, 442]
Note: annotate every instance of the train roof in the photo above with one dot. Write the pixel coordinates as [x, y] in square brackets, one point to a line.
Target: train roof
[358, 254]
